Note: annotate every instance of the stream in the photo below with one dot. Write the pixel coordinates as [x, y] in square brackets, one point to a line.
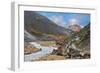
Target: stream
[44, 51]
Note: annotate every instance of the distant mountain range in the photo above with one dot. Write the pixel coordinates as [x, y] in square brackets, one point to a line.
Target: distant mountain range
[75, 27]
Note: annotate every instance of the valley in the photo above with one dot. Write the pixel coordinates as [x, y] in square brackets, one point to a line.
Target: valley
[45, 40]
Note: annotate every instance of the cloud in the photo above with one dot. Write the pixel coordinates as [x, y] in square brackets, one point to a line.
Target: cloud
[59, 20]
[81, 26]
[75, 22]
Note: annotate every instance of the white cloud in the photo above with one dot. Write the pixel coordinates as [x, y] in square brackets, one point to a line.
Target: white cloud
[75, 22]
[82, 26]
[59, 20]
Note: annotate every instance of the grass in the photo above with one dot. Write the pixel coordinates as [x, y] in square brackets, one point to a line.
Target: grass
[47, 43]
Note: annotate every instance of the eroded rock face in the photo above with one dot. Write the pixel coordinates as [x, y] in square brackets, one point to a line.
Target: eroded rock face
[67, 50]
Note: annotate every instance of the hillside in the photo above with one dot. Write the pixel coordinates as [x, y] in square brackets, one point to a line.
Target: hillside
[84, 35]
[41, 27]
[75, 49]
[39, 23]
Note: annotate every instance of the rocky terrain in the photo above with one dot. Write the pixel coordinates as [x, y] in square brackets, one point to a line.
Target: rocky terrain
[28, 48]
[75, 49]
[71, 43]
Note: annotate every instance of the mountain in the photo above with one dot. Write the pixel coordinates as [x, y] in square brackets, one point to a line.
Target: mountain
[40, 26]
[75, 28]
[77, 49]
[84, 35]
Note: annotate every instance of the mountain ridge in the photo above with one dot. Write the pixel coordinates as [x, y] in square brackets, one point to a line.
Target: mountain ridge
[40, 26]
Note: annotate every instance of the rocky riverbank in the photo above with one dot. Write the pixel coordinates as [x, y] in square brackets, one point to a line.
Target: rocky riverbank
[29, 49]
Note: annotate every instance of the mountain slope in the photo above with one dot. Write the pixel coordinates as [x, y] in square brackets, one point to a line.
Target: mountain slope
[77, 49]
[85, 37]
[35, 22]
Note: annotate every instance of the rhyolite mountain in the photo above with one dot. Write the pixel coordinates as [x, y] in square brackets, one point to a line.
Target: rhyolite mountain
[39, 26]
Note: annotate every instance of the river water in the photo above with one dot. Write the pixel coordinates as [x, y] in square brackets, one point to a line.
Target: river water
[44, 51]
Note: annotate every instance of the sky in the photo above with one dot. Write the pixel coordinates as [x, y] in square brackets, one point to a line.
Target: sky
[66, 19]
